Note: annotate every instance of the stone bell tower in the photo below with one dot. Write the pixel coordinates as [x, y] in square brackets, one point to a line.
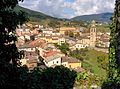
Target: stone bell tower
[93, 34]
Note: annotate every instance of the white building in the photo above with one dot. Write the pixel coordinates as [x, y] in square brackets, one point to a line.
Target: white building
[27, 47]
[88, 41]
[47, 31]
[53, 60]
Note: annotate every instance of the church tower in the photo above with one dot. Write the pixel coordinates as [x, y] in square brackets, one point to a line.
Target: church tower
[93, 34]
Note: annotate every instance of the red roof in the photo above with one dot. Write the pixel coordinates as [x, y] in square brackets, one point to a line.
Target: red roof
[48, 36]
[61, 37]
[50, 53]
[54, 38]
[70, 59]
[43, 45]
[38, 42]
[79, 69]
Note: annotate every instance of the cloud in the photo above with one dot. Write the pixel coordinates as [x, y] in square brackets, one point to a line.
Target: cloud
[51, 7]
[83, 7]
[69, 8]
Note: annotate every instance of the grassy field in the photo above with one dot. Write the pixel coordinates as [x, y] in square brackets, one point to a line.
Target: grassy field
[103, 28]
[93, 64]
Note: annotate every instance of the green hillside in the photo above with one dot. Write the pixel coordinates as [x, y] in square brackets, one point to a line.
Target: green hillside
[103, 17]
[34, 15]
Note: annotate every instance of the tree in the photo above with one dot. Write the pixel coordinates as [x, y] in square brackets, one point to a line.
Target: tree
[113, 81]
[71, 34]
[103, 61]
[59, 77]
[85, 79]
[9, 20]
[54, 24]
[66, 33]
[113, 68]
[77, 35]
[11, 76]
[64, 47]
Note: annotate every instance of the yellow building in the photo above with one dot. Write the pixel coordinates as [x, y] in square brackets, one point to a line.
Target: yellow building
[55, 39]
[64, 29]
[70, 62]
[48, 39]
[74, 65]
[23, 61]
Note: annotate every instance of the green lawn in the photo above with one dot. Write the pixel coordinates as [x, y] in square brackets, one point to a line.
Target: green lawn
[92, 63]
[103, 28]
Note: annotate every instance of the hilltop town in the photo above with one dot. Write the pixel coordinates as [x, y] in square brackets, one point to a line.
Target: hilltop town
[59, 44]
[38, 44]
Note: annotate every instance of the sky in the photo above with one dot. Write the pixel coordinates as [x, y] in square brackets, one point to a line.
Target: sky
[69, 8]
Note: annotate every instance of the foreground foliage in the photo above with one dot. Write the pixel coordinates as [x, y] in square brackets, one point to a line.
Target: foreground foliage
[113, 80]
[87, 79]
[13, 77]
[9, 20]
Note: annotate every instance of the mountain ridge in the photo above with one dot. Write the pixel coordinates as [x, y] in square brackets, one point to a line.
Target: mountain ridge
[102, 17]
[38, 16]
[35, 15]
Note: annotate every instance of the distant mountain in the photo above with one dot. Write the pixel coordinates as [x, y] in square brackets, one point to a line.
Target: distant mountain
[103, 17]
[38, 16]
[34, 15]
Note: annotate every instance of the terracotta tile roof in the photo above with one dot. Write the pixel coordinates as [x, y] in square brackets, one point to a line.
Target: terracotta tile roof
[53, 66]
[52, 57]
[32, 61]
[37, 42]
[67, 28]
[50, 53]
[48, 36]
[61, 37]
[69, 59]
[26, 45]
[79, 69]
[31, 57]
[43, 45]
[54, 38]
[104, 39]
